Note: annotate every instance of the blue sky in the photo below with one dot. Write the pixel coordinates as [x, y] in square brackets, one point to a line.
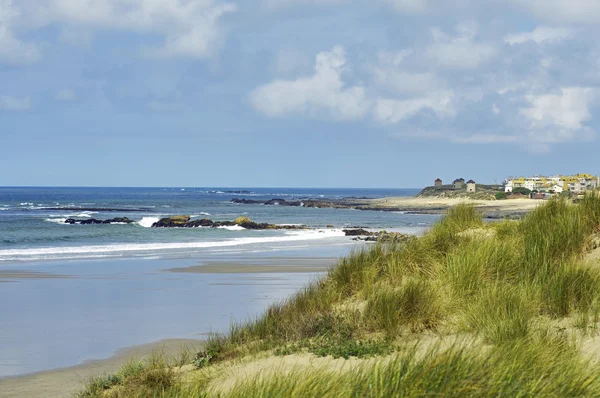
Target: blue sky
[311, 93]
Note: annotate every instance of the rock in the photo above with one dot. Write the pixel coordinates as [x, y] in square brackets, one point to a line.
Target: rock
[358, 232]
[246, 201]
[244, 222]
[329, 226]
[393, 237]
[379, 237]
[170, 222]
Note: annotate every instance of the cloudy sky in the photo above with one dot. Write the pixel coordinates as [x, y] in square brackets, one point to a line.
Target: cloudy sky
[307, 93]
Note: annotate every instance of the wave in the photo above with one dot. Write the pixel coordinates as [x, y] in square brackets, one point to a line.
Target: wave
[57, 220]
[85, 214]
[232, 227]
[147, 222]
[125, 249]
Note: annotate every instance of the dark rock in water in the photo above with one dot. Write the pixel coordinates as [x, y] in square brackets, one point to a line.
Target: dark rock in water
[89, 221]
[358, 232]
[244, 222]
[246, 201]
[270, 202]
[175, 221]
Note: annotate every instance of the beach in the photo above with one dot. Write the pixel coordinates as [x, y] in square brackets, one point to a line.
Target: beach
[72, 294]
[65, 382]
[66, 321]
[440, 204]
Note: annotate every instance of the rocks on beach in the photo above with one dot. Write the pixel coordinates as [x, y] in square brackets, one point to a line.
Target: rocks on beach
[380, 237]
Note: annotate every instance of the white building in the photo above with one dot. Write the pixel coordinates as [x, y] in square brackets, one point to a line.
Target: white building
[578, 183]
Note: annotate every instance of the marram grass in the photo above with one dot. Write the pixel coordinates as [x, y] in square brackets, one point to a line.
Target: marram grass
[519, 291]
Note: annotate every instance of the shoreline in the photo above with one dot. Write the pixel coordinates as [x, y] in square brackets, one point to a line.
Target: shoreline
[511, 208]
[156, 278]
[64, 382]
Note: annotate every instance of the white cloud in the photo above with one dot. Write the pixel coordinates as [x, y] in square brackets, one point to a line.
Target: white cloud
[66, 95]
[495, 109]
[461, 51]
[540, 35]
[14, 104]
[12, 50]
[188, 28]
[571, 11]
[324, 94]
[394, 110]
[560, 116]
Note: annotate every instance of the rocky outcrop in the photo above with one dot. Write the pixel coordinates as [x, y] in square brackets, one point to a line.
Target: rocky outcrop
[116, 220]
[336, 204]
[358, 232]
[380, 237]
[244, 222]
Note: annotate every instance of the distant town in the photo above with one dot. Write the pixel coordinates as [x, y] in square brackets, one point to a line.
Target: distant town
[535, 187]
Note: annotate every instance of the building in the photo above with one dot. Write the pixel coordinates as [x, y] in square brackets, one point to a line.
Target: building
[471, 186]
[438, 183]
[578, 183]
[458, 183]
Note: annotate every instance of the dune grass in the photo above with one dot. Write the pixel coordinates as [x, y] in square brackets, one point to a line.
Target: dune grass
[504, 284]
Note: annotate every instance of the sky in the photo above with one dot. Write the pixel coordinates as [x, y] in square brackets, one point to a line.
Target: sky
[296, 93]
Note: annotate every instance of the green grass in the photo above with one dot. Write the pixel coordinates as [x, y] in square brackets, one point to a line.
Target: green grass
[501, 283]
[537, 366]
[338, 348]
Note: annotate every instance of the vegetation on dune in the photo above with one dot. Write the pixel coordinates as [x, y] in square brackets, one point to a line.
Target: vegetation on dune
[468, 309]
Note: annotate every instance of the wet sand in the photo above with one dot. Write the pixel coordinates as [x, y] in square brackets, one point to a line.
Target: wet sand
[68, 381]
[262, 266]
[18, 274]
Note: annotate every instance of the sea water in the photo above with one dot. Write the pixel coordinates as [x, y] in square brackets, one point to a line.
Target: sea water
[31, 228]
[89, 290]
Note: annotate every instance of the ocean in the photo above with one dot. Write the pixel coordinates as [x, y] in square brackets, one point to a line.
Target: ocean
[74, 293]
[31, 227]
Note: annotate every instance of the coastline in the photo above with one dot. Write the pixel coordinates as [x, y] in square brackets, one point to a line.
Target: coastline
[510, 208]
[64, 382]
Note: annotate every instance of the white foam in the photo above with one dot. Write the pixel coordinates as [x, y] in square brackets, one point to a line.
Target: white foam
[85, 214]
[133, 248]
[147, 222]
[232, 227]
[56, 220]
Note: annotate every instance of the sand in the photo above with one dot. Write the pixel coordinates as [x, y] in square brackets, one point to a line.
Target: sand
[10, 274]
[509, 205]
[65, 382]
